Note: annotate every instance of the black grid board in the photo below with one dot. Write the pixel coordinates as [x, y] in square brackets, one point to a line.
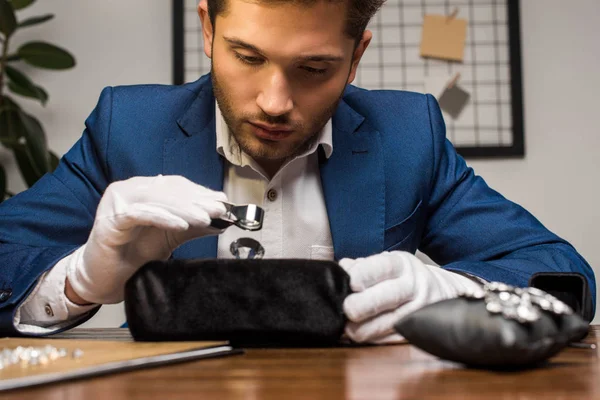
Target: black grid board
[491, 124]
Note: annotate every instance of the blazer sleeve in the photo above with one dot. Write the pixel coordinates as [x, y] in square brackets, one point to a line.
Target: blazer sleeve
[47, 222]
[473, 229]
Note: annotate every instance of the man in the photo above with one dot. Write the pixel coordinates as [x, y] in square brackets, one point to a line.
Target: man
[344, 174]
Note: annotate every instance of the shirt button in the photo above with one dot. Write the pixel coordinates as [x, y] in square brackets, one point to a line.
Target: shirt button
[272, 195]
[48, 310]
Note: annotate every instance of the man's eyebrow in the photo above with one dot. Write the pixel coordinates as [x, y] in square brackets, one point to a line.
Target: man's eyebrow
[241, 43]
[323, 57]
[314, 58]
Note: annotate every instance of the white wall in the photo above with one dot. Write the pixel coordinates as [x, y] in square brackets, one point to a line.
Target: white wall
[115, 42]
[559, 179]
[126, 42]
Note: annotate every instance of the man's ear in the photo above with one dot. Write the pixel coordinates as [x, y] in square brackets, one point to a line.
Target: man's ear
[358, 53]
[207, 28]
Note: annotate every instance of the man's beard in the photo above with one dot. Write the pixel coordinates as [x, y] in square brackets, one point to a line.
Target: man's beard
[271, 151]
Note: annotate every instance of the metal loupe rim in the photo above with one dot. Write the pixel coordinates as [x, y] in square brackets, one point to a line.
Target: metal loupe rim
[256, 250]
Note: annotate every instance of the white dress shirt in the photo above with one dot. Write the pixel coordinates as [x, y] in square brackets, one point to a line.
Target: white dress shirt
[295, 224]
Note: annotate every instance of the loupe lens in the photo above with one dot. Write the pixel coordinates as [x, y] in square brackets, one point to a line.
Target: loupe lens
[248, 224]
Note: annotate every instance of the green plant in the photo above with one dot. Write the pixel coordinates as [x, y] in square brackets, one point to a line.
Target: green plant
[21, 132]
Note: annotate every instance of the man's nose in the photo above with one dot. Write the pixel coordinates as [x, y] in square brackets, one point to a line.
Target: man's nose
[276, 96]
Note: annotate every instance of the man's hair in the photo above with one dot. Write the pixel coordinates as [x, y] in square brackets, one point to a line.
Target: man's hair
[359, 14]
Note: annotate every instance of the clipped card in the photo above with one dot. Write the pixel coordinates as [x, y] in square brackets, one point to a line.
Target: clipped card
[444, 37]
[454, 101]
[437, 84]
[451, 98]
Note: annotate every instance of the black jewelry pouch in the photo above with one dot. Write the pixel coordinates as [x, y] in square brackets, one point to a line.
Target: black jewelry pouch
[464, 331]
[273, 302]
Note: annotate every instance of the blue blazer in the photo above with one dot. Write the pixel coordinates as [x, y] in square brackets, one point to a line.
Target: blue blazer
[393, 182]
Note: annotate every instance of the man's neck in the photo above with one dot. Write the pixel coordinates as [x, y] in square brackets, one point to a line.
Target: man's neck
[270, 166]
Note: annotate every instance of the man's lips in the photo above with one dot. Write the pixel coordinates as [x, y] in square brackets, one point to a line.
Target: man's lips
[271, 132]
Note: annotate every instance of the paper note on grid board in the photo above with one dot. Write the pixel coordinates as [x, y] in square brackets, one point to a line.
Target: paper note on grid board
[443, 37]
[451, 97]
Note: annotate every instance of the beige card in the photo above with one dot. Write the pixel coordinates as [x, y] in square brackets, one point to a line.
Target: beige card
[100, 358]
[443, 37]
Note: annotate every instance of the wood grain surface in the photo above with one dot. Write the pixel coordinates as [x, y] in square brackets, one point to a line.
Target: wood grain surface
[377, 372]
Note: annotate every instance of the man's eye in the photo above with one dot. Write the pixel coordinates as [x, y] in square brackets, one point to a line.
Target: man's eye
[248, 59]
[314, 71]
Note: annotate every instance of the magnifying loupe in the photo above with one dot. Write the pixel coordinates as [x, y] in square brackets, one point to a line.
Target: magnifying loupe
[248, 217]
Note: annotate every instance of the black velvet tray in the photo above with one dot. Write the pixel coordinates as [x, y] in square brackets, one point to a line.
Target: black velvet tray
[247, 302]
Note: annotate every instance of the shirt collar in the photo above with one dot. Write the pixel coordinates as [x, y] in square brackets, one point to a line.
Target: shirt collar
[228, 147]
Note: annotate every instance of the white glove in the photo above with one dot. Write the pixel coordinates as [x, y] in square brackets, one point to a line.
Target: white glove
[389, 286]
[139, 220]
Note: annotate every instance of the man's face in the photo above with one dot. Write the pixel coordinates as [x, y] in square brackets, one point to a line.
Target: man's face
[279, 71]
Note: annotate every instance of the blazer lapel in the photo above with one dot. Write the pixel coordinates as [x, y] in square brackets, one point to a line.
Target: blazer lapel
[193, 154]
[352, 178]
[354, 186]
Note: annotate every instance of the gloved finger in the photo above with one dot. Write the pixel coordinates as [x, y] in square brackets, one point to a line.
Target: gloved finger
[347, 264]
[170, 188]
[379, 325]
[196, 199]
[198, 216]
[213, 208]
[148, 215]
[200, 231]
[382, 297]
[380, 267]
[376, 327]
[199, 193]
[207, 192]
[394, 338]
[194, 212]
[213, 194]
[193, 232]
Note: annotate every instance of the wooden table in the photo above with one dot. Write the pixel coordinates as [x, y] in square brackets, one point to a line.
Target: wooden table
[379, 372]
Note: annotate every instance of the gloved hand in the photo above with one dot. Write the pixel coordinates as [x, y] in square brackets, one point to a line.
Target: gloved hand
[389, 286]
[139, 220]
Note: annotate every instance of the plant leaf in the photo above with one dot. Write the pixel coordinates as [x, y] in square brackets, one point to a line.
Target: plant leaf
[7, 102]
[2, 183]
[30, 149]
[20, 84]
[20, 4]
[35, 20]
[11, 125]
[46, 55]
[26, 168]
[17, 76]
[38, 93]
[36, 143]
[8, 21]
[54, 160]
